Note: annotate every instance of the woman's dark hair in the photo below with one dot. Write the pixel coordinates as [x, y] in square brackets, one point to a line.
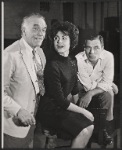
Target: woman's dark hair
[66, 27]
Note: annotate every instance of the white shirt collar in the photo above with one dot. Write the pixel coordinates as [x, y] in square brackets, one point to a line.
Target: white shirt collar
[101, 55]
[27, 45]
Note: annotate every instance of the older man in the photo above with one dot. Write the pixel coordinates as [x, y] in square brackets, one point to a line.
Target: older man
[24, 62]
[96, 73]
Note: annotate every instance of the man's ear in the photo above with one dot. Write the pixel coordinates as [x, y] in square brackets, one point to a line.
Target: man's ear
[102, 47]
[23, 30]
[84, 47]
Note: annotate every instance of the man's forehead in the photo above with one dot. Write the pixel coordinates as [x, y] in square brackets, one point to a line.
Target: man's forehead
[93, 42]
[36, 21]
[38, 25]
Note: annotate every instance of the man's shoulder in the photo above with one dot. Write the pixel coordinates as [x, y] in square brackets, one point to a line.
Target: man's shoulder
[14, 47]
[107, 54]
[80, 55]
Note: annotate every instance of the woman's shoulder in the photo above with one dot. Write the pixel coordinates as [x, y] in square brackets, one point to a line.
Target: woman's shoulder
[52, 65]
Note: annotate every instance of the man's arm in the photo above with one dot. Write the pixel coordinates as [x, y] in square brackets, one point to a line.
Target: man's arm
[10, 105]
[108, 73]
[86, 99]
[115, 88]
[83, 76]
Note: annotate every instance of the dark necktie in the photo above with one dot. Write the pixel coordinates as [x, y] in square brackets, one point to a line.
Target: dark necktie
[39, 73]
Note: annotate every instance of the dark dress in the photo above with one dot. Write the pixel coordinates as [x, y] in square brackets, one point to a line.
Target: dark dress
[60, 80]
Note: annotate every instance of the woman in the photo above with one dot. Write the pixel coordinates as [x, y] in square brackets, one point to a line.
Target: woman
[56, 111]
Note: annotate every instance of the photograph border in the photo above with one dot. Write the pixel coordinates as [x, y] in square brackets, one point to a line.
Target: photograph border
[2, 58]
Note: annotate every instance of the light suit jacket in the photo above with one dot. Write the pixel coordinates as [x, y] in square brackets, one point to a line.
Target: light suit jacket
[19, 86]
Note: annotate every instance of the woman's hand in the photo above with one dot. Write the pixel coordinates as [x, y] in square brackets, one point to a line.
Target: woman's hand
[88, 114]
[73, 98]
[74, 108]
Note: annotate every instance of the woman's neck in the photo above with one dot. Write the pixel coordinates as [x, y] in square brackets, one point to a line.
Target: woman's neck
[64, 54]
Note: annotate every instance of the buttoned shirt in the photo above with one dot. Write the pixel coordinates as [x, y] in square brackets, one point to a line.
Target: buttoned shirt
[101, 75]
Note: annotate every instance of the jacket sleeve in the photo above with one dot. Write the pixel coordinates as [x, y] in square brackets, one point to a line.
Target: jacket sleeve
[53, 85]
[9, 67]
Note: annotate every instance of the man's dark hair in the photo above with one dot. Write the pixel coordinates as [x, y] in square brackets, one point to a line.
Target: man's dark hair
[94, 37]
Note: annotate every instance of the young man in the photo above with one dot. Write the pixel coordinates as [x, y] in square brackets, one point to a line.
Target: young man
[21, 82]
[95, 74]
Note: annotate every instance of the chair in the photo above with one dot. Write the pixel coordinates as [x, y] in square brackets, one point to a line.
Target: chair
[50, 139]
[100, 115]
[99, 126]
[53, 141]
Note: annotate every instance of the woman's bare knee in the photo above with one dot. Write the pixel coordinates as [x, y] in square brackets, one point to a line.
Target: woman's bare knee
[90, 128]
[83, 137]
[87, 131]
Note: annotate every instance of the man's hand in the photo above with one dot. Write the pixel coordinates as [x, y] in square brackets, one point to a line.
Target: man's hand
[25, 117]
[85, 100]
[115, 88]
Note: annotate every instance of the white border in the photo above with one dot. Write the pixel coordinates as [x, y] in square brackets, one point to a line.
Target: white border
[2, 48]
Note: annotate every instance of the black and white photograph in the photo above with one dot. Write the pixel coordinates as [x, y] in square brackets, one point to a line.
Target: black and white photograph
[60, 74]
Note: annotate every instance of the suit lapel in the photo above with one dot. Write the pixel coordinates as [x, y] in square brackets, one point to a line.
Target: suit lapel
[27, 62]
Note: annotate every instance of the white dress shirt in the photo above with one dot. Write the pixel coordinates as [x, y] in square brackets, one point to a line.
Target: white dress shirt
[100, 76]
